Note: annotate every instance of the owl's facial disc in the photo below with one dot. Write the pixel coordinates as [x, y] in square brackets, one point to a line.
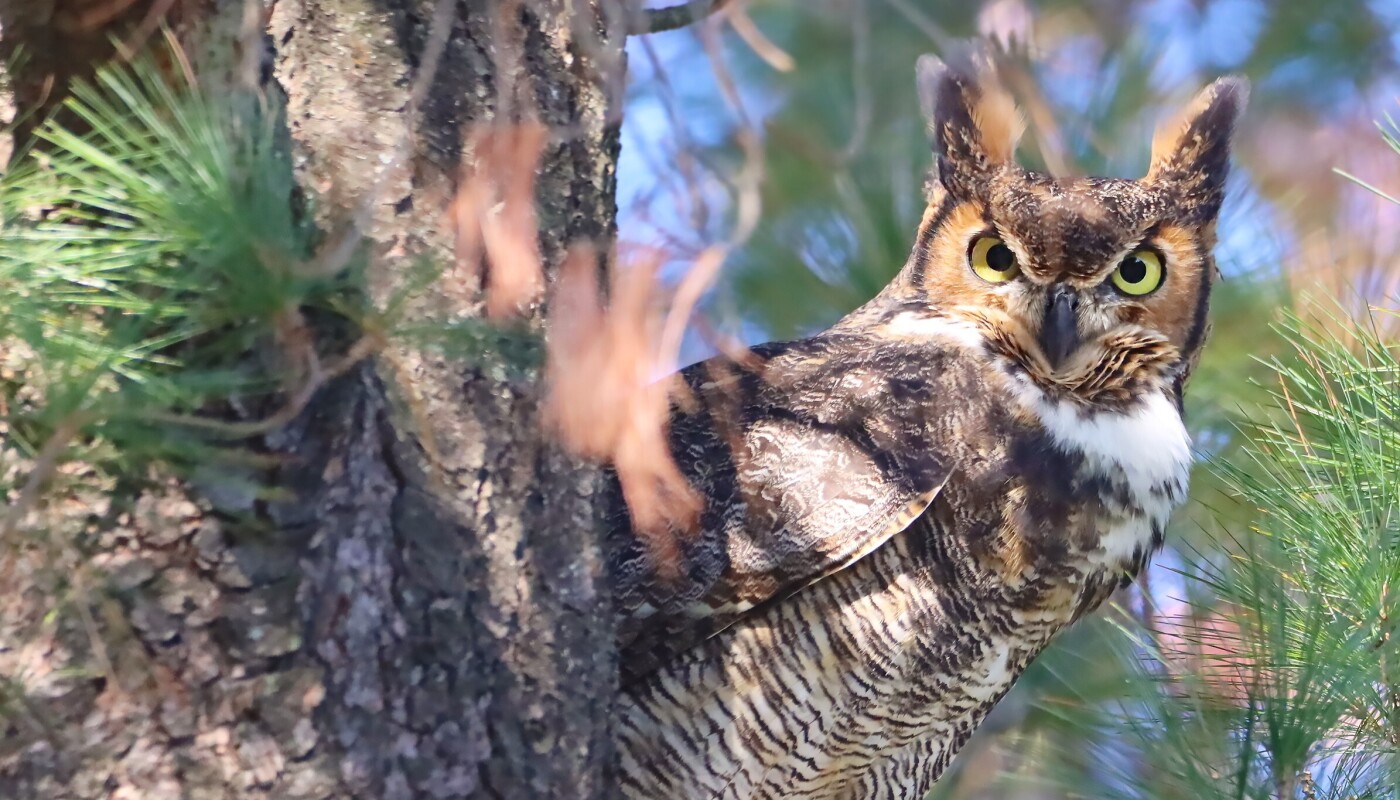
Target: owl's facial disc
[1093, 286]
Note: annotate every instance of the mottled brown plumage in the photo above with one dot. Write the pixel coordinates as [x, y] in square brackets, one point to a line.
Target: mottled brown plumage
[902, 511]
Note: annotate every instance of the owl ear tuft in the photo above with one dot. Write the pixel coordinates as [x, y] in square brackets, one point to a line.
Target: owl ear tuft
[974, 122]
[1191, 151]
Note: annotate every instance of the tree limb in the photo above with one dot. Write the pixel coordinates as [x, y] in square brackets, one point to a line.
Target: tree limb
[657, 20]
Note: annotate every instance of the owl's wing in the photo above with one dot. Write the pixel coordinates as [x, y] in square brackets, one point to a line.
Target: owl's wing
[808, 457]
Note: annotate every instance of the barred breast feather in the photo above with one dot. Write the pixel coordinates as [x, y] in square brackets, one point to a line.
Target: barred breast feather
[902, 512]
[809, 457]
[865, 682]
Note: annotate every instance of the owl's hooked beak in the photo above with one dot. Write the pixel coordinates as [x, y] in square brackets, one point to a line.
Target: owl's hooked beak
[1059, 331]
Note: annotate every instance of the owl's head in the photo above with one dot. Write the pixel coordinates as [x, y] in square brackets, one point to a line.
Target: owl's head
[1092, 286]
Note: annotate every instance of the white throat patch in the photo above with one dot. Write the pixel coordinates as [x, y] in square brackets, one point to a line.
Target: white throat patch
[1149, 444]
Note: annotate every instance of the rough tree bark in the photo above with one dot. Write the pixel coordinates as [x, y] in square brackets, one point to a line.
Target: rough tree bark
[420, 609]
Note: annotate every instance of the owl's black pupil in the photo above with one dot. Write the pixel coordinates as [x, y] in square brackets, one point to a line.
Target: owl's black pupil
[1000, 258]
[1133, 270]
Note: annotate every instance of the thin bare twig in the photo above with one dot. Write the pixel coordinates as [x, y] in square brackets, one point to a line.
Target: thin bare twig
[701, 275]
[155, 16]
[365, 347]
[177, 51]
[1048, 136]
[860, 82]
[761, 45]
[100, 15]
[748, 199]
[90, 629]
[657, 20]
[45, 464]
[686, 154]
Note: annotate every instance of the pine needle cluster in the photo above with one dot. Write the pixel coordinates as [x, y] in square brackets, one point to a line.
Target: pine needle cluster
[1280, 680]
[153, 266]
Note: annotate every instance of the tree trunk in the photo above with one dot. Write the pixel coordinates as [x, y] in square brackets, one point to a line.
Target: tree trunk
[415, 604]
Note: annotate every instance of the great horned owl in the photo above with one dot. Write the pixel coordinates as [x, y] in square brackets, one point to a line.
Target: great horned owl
[902, 511]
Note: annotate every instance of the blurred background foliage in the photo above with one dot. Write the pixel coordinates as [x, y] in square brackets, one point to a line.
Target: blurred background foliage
[789, 132]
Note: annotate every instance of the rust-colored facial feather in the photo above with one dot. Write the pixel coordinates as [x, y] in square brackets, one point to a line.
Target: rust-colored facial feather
[1070, 235]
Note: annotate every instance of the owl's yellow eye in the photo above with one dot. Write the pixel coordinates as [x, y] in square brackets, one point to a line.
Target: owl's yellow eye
[1139, 274]
[992, 260]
